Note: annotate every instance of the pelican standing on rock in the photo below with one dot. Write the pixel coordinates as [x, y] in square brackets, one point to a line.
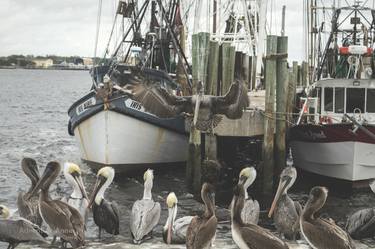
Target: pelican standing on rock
[250, 236]
[145, 213]
[286, 212]
[321, 233]
[78, 199]
[361, 224]
[18, 231]
[250, 211]
[106, 214]
[202, 229]
[28, 208]
[174, 231]
[63, 220]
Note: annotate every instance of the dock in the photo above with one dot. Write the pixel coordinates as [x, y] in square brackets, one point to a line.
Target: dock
[217, 66]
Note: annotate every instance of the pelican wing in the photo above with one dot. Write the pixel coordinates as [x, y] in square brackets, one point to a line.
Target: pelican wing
[192, 232]
[180, 228]
[206, 232]
[233, 103]
[250, 212]
[19, 230]
[158, 101]
[145, 216]
[361, 224]
[324, 234]
[64, 220]
[258, 237]
[29, 209]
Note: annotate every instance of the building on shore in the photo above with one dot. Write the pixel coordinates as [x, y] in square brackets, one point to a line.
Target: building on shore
[42, 63]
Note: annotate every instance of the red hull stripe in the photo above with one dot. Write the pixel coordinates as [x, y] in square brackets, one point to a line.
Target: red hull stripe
[330, 133]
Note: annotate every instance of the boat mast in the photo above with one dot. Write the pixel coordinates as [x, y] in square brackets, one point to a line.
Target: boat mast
[261, 40]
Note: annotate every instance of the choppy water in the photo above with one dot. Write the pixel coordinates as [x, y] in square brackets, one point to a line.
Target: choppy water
[33, 123]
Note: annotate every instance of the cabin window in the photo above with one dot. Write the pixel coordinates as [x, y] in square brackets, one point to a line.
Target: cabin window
[339, 99]
[355, 99]
[328, 99]
[370, 100]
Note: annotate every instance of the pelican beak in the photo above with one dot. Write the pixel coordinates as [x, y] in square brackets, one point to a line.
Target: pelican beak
[77, 177]
[282, 185]
[196, 110]
[100, 180]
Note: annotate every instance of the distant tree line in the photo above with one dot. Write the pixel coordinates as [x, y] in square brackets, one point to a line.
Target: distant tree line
[27, 60]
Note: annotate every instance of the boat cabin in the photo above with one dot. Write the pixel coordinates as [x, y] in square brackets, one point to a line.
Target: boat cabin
[332, 98]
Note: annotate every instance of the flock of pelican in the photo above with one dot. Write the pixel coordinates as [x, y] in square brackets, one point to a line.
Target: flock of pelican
[66, 218]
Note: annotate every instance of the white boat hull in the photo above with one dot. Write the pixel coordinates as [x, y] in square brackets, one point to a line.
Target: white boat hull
[122, 141]
[348, 160]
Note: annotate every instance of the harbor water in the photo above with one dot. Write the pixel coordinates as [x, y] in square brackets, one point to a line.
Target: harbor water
[33, 123]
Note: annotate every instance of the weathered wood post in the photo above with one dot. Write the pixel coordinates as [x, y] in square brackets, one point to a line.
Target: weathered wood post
[269, 121]
[228, 58]
[213, 65]
[200, 44]
[292, 91]
[281, 104]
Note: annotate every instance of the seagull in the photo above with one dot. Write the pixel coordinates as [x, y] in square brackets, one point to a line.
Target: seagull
[174, 231]
[106, 214]
[145, 213]
[204, 108]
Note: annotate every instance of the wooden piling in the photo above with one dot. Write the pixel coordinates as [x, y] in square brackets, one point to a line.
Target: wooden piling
[228, 58]
[305, 80]
[212, 76]
[200, 50]
[281, 105]
[269, 121]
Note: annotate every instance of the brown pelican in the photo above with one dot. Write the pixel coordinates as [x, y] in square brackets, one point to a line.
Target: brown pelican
[285, 211]
[63, 220]
[361, 224]
[18, 231]
[250, 211]
[249, 236]
[205, 108]
[202, 229]
[106, 214]
[318, 232]
[145, 213]
[29, 209]
[174, 231]
[78, 199]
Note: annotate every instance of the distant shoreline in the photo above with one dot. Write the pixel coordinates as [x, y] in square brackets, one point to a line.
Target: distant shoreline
[64, 69]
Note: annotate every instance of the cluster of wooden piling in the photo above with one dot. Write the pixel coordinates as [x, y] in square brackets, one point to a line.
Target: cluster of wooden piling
[217, 65]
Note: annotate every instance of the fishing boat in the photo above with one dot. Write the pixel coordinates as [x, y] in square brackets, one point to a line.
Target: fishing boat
[335, 132]
[110, 127]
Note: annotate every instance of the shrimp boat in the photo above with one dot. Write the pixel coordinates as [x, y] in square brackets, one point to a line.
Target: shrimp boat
[335, 132]
[111, 128]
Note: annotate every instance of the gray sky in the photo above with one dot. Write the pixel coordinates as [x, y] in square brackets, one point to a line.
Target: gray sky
[67, 27]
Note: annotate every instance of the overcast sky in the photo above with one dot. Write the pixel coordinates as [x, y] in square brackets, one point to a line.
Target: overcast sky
[67, 27]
